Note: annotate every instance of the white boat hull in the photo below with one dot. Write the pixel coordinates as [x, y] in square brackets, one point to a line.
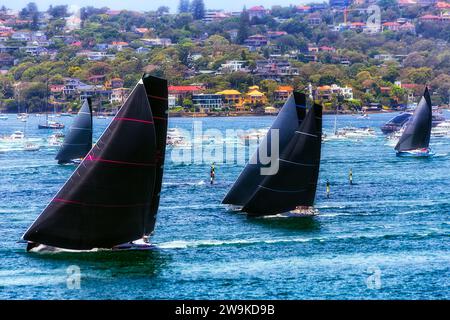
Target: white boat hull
[138, 245]
[419, 153]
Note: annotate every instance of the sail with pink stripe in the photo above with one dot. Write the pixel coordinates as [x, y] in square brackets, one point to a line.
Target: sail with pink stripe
[113, 196]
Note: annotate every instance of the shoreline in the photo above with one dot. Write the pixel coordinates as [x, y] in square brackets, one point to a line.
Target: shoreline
[223, 114]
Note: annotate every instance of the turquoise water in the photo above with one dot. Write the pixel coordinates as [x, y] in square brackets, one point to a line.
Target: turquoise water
[386, 237]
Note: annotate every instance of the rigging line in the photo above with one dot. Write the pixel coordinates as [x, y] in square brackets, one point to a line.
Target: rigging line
[298, 163]
[283, 191]
[306, 134]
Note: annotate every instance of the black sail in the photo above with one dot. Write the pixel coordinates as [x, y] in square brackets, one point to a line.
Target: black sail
[78, 141]
[108, 199]
[295, 182]
[418, 131]
[157, 93]
[287, 121]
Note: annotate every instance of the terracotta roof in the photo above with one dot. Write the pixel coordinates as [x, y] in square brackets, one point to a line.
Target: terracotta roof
[257, 8]
[442, 5]
[285, 88]
[391, 24]
[119, 43]
[430, 17]
[184, 88]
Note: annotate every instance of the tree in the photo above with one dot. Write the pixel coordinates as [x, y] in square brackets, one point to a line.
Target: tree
[58, 11]
[163, 10]
[244, 27]
[198, 9]
[30, 10]
[183, 7]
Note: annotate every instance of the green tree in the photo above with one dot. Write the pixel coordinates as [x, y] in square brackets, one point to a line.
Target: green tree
[244, 27]
[198, 9]
[58, 11]
[183, 6]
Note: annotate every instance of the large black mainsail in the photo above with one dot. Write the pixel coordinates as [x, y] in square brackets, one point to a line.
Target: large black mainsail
[287, 121]
[418, 130]
[295, 182]
[112, 197]
[78, 141]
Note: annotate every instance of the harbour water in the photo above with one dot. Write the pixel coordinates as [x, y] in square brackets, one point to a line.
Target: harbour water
[385, 237]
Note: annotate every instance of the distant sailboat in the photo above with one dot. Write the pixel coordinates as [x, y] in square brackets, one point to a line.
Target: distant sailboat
[415, 139]
[292, 189]
[78, 141]
[112, 198]
[53, 125]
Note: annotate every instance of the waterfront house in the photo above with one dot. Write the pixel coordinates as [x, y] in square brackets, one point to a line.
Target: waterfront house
[118, 95]
[207, 101]
[282, 93]
[254, 96]
[327, 93]
[232, 98]
[182, 92]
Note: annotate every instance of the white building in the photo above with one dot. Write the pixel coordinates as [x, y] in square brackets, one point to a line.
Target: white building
[233, 66]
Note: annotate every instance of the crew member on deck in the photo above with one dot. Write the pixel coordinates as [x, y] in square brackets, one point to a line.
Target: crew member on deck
[328, 189]
[350, 176]
[213, 172]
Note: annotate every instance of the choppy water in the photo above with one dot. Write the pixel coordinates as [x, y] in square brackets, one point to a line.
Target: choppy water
[387, 237]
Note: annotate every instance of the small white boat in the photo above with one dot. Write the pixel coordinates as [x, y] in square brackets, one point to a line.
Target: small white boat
[355, 133]
[441, 130]
[16, 136]
[22, 117]
[55, 140]
[31, 147]
[3, 117]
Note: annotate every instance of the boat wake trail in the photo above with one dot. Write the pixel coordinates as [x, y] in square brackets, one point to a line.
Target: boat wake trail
[182, 244]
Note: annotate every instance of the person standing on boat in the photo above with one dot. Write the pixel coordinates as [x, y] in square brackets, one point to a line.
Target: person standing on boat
[350, 176]
[328, 189]
[213, 172]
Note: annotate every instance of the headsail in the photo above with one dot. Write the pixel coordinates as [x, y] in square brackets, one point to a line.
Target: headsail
[418, 131]
[78, 141]
[108, 200]
[296, 181]
[287, 121]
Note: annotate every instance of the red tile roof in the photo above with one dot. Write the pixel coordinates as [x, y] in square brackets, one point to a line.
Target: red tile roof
[442, 5]
[257, 8]
[430, 17]
[391, 24]
[184, 88]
